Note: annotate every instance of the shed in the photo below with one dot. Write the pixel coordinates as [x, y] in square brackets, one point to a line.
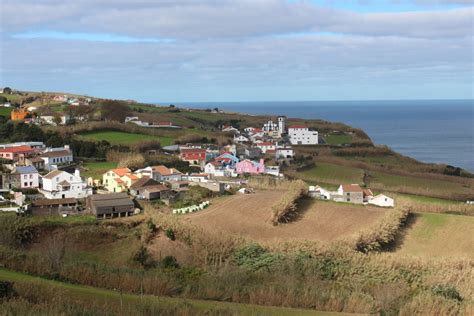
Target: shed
[110, 205]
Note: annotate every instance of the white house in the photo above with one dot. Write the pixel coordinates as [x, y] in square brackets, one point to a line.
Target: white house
[228, 128]
[301, 135]
[216, 169]
[265, 146]
[382, 200]
[56, 156]
[240, 139]
[319, 192]
[60, 184]
[29, 176]
[284, 152]
[161, 173]
[50, 119]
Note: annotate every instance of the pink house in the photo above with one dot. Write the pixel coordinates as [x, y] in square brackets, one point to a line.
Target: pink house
[247, 166]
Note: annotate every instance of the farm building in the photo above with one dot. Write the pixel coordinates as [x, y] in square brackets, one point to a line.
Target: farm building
[54, 206]
[382, 200]
[352, 193]
[110, 205]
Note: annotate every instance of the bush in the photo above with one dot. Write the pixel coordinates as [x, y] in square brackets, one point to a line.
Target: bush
[169, 262]
[255, 257]
[446, 291]
[6, 290]
[170, 234]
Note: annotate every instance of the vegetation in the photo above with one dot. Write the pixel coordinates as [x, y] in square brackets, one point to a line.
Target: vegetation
[284, 208]
[97, 169]
[122, 138]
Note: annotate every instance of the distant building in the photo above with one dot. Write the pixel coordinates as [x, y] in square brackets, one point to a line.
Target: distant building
[302, 135]
[60, 185]
[15, 153]
[161, 173]
[111, 180]
[57, 156]
[29, 177]
[252, 167]
[353, 193]
[110, 205]
[195, 156]
[265, 146]
[284, 152]
[19, 114]
[382, 200]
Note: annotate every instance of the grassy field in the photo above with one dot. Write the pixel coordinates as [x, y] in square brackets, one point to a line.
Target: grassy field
[421, 186]
[5, 111]
[250, 216]
[439, 235]
[97, 169]
[123, 138]
[90, 296]
[330, 173]
[338, 139]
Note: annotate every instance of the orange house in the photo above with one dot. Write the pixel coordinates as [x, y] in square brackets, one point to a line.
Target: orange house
[18, 114]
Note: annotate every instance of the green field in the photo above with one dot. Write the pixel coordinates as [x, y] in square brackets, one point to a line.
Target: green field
[330, 173]
[123, 138]
[5, 111]
[98, 299]
[431, 200]
[421, 186]
[441, 235]
[97, 169]
[338, 139]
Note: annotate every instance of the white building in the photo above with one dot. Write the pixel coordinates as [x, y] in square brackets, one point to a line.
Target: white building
[160, 173]
[56, 156]
[215, 169]
[266, 146]
[382, 200]
[51, 119]
[284, 152]
[281, 124]
[240, 139]
[301, 135]
[29, 177]
[61, 185]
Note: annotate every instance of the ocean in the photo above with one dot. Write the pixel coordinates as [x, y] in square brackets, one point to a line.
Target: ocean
[439, 131]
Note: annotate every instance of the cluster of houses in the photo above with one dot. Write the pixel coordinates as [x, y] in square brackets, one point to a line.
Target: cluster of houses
[351, 193]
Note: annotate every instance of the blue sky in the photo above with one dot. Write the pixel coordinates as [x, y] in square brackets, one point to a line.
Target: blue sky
[240, 50]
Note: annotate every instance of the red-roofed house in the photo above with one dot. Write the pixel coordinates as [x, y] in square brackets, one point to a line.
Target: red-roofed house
[112, 179]
[354, 193]
[14, 153]
[195, 156]
[265, 146]
[161, 173]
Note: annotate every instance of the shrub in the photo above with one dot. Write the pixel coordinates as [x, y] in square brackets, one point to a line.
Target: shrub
[170, 234]
[169, 262]
[285, 207]
[143, 257]
[446, 291]
[255, 257]
[6, 290]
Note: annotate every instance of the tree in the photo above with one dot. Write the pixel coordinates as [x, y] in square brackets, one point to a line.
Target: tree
[57, 119]
[7, 90]
[113, 110]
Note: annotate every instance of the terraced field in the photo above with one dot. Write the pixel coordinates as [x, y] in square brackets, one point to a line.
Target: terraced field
[123, 138]
[249, 216]
[439, 235]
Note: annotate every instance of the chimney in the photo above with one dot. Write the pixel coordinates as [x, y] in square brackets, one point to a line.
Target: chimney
[77, 173]
[66, 146]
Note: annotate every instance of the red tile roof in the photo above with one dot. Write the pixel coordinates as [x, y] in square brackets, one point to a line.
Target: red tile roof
[121, 171]
[17, 149]
[297, 126]
[352, 188]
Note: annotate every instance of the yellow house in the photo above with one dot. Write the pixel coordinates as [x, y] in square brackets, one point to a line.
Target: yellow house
[129, 179]
[112, 181]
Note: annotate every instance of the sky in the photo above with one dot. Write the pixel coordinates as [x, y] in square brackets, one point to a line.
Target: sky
[240, 50]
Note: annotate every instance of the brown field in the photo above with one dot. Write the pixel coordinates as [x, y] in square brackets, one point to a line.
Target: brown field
[250, 216]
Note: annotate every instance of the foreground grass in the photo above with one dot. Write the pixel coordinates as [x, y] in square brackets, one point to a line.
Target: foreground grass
[336, 139]
[441, 235]
[97, 169]
[123, 138]
[5, 111]
[89, 296]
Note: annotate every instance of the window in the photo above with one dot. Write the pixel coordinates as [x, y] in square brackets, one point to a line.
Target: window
[25, 184]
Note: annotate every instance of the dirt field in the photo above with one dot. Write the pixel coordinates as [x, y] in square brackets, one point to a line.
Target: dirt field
[443, 235]
[249, 216]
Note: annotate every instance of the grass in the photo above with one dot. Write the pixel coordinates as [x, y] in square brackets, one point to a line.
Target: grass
[431, 200]
[439, 235]
[330, 173]
[420, 186]
[338, 139]
[84, 294]
[123, 138]
[97, 169]
[5, 111]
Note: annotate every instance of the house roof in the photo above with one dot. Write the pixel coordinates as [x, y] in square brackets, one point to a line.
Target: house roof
[131, 176]
[156, 188]
[199, 175]
[297, 126]
[64, 183]
[352, 188]
[53, 174]
[265, 144]
[121, 171]
[144, 182]
[35, 159]
[56, 153]
[165, 171]
[25, 169]
[112, 199]
[16, 149]
[193, 150]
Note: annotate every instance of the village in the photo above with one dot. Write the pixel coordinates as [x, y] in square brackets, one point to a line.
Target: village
[47, 181]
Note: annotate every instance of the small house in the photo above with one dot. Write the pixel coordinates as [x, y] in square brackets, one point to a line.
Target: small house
[248, 166]
[382, 201]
